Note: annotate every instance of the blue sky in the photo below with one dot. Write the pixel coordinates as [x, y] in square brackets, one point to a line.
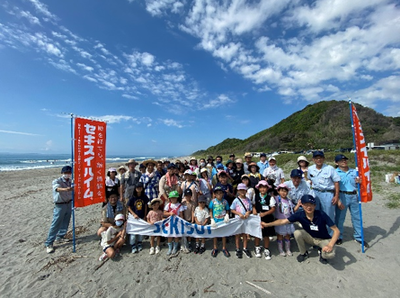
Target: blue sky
[172, 77]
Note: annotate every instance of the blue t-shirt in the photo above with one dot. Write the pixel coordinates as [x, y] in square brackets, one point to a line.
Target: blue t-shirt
[219, 209]
[317, 227]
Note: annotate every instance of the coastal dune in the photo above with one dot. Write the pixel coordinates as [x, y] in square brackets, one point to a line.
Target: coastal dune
[27, 270]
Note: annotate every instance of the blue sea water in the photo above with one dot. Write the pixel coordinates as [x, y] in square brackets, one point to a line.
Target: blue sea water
[26, 161]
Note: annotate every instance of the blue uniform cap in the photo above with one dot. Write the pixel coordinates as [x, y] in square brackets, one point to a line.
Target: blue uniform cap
[308, 199]
[66, 169]
[318, 153]
[296, 173]
[339, 157]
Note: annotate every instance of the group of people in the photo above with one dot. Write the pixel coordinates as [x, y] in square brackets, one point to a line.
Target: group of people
[209, 191]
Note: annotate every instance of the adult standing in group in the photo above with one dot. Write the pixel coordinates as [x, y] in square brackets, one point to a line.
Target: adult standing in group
[129, 180]
[168, 183]
[325, 183]
[298, 187]
[274, 170]
[62, 198]
[303, 163]
[263, 163]
[121, 171]
[247, 158]
[150, 179]
[348, 199]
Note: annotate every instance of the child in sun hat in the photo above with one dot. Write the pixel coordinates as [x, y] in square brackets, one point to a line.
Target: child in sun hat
[242, 208]
[201, 216]
[173, 208]
[153, 216]
[265, 207]
[189, 207]
[284, 209]
[113, 238]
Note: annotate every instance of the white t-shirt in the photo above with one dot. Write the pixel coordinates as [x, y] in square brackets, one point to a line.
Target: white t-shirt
[108, 235]
[201, 215]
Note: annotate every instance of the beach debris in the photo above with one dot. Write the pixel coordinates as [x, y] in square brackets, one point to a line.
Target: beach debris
[173, 256]
[262, 280]
[43, 277]
[62, 259]
[259, 288]
[21, 240]
[207, 289]
[101, 264]
[78, 230]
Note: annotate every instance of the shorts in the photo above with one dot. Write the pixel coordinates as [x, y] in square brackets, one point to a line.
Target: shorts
[268, 232]
[107, 247]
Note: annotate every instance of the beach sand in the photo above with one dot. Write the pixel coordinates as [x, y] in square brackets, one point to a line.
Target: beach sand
[27, 270]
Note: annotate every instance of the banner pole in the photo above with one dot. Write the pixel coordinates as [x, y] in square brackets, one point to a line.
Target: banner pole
[358, 184]
[73, 191]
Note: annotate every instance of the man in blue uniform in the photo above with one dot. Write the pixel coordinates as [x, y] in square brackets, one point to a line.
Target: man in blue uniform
[314, 232]
[348, 199]
[62, 197]
[325, 183]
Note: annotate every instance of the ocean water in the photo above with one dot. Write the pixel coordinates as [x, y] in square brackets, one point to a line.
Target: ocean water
[26, 161]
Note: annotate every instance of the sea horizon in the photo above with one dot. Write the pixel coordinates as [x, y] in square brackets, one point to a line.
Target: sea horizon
[28, 161]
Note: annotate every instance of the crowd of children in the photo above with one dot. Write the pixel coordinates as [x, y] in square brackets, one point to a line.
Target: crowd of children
[208, 194]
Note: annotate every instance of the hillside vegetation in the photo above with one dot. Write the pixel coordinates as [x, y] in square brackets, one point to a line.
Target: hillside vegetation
[325, 124]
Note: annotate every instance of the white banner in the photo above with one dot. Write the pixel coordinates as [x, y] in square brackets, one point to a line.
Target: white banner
[174, 226]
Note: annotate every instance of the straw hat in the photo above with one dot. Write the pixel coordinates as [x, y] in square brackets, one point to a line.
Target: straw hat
[155, 200]
[146, 162]
[131, 161]
[121, 168]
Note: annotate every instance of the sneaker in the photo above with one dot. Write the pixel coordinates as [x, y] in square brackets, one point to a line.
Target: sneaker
[175, 248]
[366, 245]
[197, 249]
[226, 253]
[239, 254]
[289, 253]
[282, 254]
[49, 249]
[303, 257]
[117, 252]
[258, 251]
[185, 250]
[321, 259]
[158, 249]
[170, 246]
[189, 247]
[134, 250]
[139, 246]
[247, 253]
[103, 257]
[339, 242]
[267, 254]
[152, 250]
[202, 250]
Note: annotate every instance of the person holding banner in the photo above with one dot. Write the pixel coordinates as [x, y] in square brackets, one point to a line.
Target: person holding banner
[62, 198]
[325, 183]
[129, 181]
[173, 208]
[347, 199]
[113, 238]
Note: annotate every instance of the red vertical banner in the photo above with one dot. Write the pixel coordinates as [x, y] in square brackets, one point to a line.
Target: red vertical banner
[362, 158]
[89, 161]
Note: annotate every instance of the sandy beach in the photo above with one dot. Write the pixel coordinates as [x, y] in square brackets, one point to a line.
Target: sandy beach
[27, 270]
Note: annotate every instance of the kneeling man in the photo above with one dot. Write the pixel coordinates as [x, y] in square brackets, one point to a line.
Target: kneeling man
[315, 231]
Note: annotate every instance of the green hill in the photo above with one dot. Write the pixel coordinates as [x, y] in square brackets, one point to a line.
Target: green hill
[325, 124]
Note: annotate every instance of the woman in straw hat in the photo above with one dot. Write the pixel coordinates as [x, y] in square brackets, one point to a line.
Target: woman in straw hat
[129, 180]
[150, 179]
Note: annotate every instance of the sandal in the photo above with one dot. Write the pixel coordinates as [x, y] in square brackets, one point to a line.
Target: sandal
[214, 252]
[226, 253]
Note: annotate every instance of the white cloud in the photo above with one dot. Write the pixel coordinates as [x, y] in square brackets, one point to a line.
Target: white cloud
[220, 101]
[42, 8]
[171, 122]
[32, 19]
[19, 133]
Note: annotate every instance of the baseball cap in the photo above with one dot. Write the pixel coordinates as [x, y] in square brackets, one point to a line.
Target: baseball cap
[218, 188]
[296, 173]
[308, 199]
[318, 153]
[66, 169]
[220, 166]
[171, 166]
[173, 194]
[119, 217]
[263, 155]
[339, 157]
[271, 158]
